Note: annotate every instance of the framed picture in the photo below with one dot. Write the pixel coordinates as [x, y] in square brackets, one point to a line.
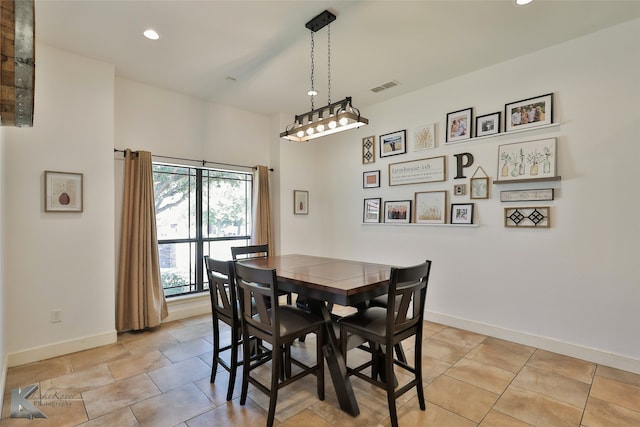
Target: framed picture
[479, 188]
[368, 149]
[424, 137]
[397, 211]
[527, 195]
[371, 179]
[489, 124]
[431, 207]
[527, 217]
[300, 202]
[459, 125]
[459, 189]
[462, 213]
[62, 191]
[528, 113]
[432, 169]
[393, 143]
[527, 160]
[371, 210]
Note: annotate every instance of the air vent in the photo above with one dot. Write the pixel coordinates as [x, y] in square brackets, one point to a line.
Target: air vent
[385, 86]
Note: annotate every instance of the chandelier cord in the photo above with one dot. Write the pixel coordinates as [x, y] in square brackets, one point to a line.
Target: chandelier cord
[313, 91]
[329, 62]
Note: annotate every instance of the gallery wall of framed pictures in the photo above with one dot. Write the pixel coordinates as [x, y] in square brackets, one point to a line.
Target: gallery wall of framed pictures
[420, 179]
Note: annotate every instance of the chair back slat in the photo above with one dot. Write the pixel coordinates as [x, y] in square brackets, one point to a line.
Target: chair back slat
[258, 289]
[222, 289]
[251, 251]
[407, 288]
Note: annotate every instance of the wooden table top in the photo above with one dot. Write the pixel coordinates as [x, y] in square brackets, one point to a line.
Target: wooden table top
[335, 280]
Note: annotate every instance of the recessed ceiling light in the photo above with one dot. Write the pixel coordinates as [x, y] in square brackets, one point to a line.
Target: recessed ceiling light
[151, 34]
[523, 2]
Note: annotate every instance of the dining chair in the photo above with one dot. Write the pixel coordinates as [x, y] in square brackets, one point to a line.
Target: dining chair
[254, 251]
[276, 324]
[385, 328]
[224, 308]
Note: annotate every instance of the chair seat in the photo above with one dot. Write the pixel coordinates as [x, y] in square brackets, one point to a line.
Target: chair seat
[370, 321]
[295, 321]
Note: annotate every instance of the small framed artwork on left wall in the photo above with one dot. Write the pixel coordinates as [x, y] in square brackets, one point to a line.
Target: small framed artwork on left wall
[63, 192]
[300, 202]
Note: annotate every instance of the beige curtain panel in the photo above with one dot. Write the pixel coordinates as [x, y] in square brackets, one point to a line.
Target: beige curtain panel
[262, 229]
[140, 300]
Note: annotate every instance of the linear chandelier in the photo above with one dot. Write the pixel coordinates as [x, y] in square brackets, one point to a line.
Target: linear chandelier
[335, 116]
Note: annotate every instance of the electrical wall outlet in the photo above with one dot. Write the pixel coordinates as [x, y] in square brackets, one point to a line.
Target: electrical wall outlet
[56, 316]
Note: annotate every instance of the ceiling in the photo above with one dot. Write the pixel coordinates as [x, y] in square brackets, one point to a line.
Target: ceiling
[255, 55]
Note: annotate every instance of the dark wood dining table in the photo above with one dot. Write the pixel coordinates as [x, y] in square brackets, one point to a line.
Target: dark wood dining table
[327, 280]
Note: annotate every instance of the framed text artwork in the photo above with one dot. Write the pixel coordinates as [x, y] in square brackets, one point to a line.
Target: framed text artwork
[393, 143]
[527, 160]
[63, 192]
[368, 149]
[300, 202]
[432, 169]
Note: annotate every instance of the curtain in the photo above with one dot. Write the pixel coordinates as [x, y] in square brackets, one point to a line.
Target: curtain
[140, 299]
[262, 232]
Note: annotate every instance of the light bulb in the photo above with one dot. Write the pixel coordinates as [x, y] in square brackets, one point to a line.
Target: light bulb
[320, 127]
[344, 121]
[332, 124]
[151, 34]
[300, 134]
[310, 131]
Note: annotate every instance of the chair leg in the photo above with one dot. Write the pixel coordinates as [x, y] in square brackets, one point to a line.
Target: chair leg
[273, 393]
[390, 386]
[246, 363]
[216, 349]
[320, 361]
[418, 368]
[233, 363]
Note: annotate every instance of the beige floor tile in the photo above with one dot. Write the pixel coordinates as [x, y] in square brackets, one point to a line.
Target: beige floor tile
[446, 391]
[604, 414]
[459, 337]
[618, 375]
[180, 373]
[555, 386]
[442, 350]
[306, 418]
[498, 419]
[431, 368]
[24, 375]
[138, 363]
[197, 330]
[488, 377]
[102, 400]
[171, 408]
[120, 418]
[217, 392]
[625, 395]
[157, 341]
[187, 350]
[231, 414]
[569, 367]
[78, 382]
[430, 328]
[59, 413]
[95, 356]
[501, 354]
[433, 415]
[536, 409]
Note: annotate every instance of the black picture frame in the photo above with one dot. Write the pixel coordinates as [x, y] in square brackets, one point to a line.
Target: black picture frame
[371, 210]
[488, 124]
[542, 113]
[462, 213]
[459, 125]
[371, 179]
[394, 143]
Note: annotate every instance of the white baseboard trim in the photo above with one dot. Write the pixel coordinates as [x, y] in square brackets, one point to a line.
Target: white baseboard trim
[61, 348]
[589, 354]
[189, 306]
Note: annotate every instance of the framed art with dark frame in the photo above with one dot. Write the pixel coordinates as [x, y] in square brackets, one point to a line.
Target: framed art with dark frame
[371, 179]
[371, 210]
[300, 202]
[393, 143]
[63, 192]
[430, 207]
[489, 124]
[462, 213]
[528, 113]
[398, 211]
[459, 125]
[368, 149]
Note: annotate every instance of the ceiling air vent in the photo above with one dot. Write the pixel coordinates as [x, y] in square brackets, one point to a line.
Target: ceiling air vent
[385, 86]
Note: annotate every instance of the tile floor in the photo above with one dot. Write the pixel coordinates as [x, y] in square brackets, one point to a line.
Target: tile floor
[161, 378]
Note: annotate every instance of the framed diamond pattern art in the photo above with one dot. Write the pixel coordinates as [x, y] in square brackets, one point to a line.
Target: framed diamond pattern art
[369, 149]
[527, 217]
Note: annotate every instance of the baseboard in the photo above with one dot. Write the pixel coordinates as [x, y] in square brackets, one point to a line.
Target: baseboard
[3, 379]
[61, 348]
[589, 354]
[189, 306]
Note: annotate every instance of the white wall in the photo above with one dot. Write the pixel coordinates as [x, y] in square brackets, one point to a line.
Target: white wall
[572, 288]
[60, 261]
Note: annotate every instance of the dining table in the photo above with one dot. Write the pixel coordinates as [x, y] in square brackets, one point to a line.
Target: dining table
[322, 282]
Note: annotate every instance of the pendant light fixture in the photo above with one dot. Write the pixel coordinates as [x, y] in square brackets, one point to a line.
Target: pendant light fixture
[335, 116]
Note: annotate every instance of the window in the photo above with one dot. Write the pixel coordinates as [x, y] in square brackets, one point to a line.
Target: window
[198, 212]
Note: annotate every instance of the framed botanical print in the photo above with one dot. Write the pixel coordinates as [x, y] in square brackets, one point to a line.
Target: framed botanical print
[300, 202]
[430, 207]
[63, 192]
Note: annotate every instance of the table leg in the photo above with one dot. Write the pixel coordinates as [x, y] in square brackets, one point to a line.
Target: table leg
[335, 362]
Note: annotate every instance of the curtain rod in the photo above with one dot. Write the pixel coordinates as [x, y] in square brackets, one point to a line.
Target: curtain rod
[204, 162]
